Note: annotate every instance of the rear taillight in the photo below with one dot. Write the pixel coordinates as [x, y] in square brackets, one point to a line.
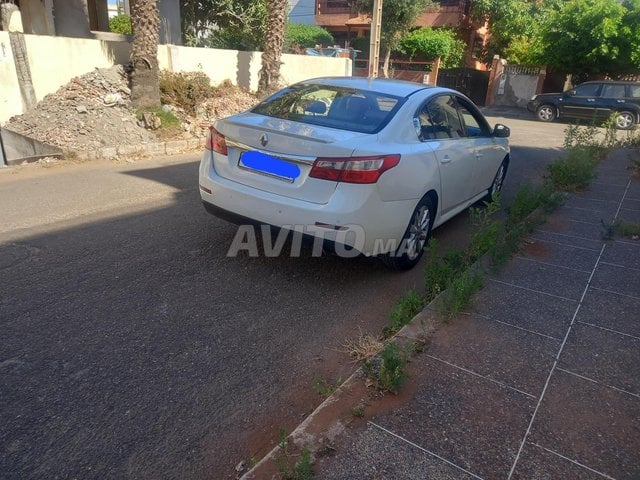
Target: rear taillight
[216, 142]
[353, 169]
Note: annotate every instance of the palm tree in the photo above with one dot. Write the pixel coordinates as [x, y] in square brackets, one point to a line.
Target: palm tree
[273, 43]
[145, 83]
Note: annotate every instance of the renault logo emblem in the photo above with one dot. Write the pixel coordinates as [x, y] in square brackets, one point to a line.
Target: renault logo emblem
[264, 139]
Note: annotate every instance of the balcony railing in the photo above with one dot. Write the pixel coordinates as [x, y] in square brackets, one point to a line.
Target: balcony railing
[333, 6]
[345, 6]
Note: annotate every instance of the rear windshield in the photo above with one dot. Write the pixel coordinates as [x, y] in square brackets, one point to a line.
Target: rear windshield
[331, 106]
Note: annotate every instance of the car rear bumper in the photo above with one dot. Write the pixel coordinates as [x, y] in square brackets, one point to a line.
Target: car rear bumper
[355, 215]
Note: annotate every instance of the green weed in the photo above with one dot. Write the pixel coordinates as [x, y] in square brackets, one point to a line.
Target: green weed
[574, 171]
[358, 411]
[485, 231]
[167, 119]
[405, 309]
[300, 470]
[325, 388]
[441, 270]
[457, 296]
[626, 229]
[388, 368]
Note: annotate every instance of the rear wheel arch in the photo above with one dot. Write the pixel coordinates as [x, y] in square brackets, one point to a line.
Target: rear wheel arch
[433, 196]
[416, 235]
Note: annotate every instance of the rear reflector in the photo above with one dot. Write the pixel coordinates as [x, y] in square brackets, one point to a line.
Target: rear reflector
[353, 169]
[216, 142]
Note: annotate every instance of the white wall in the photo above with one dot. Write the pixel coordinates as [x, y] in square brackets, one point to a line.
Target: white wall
[515, 89]
[56, 60]
[10, 96]
[243, 68]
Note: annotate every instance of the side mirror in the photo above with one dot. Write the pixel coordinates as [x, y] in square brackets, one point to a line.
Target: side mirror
[501, 131]
[570, 93]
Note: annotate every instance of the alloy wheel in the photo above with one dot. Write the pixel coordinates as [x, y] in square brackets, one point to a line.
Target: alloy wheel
[418, 232]
[624, 120]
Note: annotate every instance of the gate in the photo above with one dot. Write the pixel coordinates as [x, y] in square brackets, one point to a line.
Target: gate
[473, 83]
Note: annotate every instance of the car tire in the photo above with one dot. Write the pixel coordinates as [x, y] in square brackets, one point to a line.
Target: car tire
[498, 180]
[625, 120]
[546, 113]
[415, 238]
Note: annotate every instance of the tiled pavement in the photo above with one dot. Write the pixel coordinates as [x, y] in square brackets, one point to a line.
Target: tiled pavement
[541, 379]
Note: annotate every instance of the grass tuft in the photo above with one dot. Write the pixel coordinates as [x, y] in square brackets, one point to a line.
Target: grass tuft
[388, 369]
[405, 309]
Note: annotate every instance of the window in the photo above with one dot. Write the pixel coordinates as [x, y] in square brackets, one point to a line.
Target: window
[613, 91]
[587, 90]
[634, 91]
[474, 126]
[439, 119]
[332, 106]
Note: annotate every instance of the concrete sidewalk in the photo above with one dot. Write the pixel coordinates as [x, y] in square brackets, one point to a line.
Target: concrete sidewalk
[540, 379]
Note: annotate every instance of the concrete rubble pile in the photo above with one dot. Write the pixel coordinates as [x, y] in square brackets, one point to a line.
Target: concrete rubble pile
[231, 100]
[93, 113]
[89, 112]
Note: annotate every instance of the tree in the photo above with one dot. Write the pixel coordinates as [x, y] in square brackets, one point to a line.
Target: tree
[430, 43]
[273, 44]
[222, 23]
[120, 24]
[398, 17]
[306, 36]
[145, 83]
[594, 37]
[514, 27]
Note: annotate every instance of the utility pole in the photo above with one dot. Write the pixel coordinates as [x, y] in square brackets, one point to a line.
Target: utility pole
[374, 46]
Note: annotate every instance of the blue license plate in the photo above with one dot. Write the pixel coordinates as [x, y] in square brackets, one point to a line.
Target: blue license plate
[269, 165]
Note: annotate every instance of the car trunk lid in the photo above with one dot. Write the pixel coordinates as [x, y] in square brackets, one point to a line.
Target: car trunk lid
[277, 155]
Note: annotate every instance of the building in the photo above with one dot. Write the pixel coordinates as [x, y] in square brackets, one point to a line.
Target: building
[345, 23]
[302, 11]
[88, 18]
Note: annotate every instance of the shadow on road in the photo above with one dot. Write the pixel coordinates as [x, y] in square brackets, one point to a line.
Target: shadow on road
[133, 347]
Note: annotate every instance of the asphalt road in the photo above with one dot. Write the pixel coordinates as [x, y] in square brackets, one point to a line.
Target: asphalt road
[132, 347]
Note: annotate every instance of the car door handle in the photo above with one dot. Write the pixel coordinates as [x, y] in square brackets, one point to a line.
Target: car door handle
[445, 159]
[479, 155]
[620, 101]
[591, 99]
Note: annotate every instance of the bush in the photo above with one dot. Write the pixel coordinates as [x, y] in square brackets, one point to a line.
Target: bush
[120, 24]
[430, 43]
[362, 44]
[236, 38]
[185, 90]
[306, 36]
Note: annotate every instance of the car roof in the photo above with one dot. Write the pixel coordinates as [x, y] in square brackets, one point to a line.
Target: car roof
[621, 82]
[399, 88]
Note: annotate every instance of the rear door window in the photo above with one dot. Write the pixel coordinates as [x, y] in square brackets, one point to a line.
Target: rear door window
[587, 90]
[613, 91]
[634, 91]
[439, 119]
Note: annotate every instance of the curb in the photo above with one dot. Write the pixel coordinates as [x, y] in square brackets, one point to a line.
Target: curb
[314, 434]
[152, 149]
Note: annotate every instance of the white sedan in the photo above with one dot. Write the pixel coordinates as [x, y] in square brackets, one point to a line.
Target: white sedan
[371, 164]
